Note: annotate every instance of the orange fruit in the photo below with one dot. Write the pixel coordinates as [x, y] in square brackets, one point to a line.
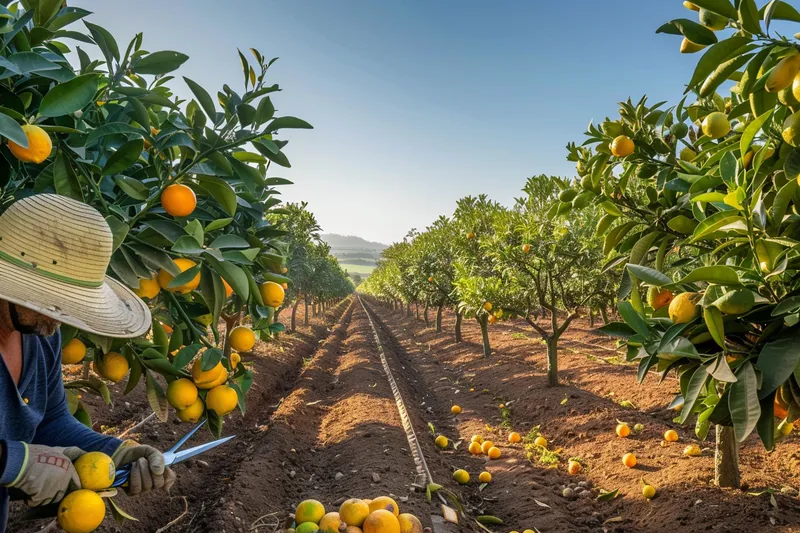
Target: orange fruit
[514, 437]
[671, 435]
[487, 444]
[475, 448]
[193, 412]
[39, 145]
[242, 339]
[494, 452]
[271, 293]
[629, 460]
[485, 477]
[441, 441]
[574, 467]
[330, 523]
[476, 438]
[455, 409]
[622, 146]
[148, 288]
[113, 366]
[309, 511]
[164, 277]
[623, 430]
[73, 352]
[381, 521]
[461, 476]
[409, 523]
[354, 511]
[526, 248]
[540, 441]
[178, 200]
[81, 511]
[384, 503]
[492, 319]
[222, 399]
[181, 393]
[208, 379]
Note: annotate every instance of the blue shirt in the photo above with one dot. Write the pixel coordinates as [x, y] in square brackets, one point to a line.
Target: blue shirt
[35, 411]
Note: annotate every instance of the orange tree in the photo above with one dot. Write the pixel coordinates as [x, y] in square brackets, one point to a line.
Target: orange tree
[183, 186]
[701, 203]
[547, 265]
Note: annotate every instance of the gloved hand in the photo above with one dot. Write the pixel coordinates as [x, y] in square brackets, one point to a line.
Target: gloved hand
[47, 474]
[147, 468]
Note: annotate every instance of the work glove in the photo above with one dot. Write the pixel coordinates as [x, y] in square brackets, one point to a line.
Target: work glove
[148, 471]
[47, 474]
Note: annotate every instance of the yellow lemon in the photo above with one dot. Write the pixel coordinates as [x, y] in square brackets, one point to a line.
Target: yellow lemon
[96, 470]
[73, 352]
[39, 145]
[683, 308]
[148, 288]
[716, 125]
[181, 393]
[272, 294]
[649, 492]
[81, 511]
[193, 413]
[222, 399]
[112, 366]
[242, 339]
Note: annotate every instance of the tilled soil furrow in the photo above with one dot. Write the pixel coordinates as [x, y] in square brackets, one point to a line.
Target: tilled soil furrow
[518, 488]
[337, 434]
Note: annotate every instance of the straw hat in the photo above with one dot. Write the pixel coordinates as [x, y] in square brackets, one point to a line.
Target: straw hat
[54, 252]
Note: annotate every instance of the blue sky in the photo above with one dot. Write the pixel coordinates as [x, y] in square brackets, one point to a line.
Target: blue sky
[417, 103]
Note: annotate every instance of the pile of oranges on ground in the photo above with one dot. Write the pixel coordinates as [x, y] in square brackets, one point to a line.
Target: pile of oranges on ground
[381, 515]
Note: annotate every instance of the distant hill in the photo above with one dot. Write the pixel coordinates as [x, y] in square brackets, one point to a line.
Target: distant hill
[354, 253]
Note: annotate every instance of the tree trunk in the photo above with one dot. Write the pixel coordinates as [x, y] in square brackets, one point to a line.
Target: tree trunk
[487, 348]
[459, 318]
[306, 302]
[294, 314]
[425, 313]
[439, 318]
[726, 459]
[591, 317]
[408, 310]
[276, 315]
[552, 361]
[416, 307]
[604, 314]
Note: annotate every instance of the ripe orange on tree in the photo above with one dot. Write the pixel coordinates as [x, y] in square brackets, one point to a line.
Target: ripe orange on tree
[622, 146]
[148, 288]
[242, 339]
[178, 200]
[39, 145]
[164, 277]
[73, 352]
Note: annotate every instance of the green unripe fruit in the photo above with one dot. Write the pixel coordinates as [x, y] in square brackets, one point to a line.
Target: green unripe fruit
[711, 20]
[679, 130]
[736, 302]
[568, 195]
[583, 199]
[612, 129]
[791, 129]
[716, 125]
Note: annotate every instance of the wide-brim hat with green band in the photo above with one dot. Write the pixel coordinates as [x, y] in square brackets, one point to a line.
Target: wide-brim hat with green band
[54, 252]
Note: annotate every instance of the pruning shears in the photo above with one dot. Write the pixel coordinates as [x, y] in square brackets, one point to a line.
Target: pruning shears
[173, 455]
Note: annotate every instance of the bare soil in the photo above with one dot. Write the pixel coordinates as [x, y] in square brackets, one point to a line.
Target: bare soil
[322, 423]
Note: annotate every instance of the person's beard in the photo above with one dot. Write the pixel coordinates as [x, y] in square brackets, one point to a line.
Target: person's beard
[29, 322]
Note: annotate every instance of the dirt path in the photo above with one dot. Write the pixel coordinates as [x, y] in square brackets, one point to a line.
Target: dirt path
[579, 418]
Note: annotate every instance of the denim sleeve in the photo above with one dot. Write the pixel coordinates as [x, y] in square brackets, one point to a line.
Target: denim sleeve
[59, 427]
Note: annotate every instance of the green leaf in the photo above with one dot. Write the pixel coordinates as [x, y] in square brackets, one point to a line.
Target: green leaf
[777, 361]
[721, 371]
[70, 96]
[231, 273]
[157, 398]
[218, 224]
[118, 512]
[743, 401]
[119, 230]
[184, 277]
[67, 16]
[278, 158]
[617, 329]
[185, 355]
[695, 386]
[782, 200]
[649, 275]
[160, 338]
[211, 358]
[714, 56]
[288, 123]
[28, 62]
[719, 274]
[690, 29]
[10, 129]
[124, 157]
[633, 318]
[722, 74]
[160, 62]
[221, 191]
[132, 187]
[187, 245]
[720, 7]
[111, 128]
[105, 41]
[766, 422]
[229, 241]
[749, 17]
[782, 11]
[203, 98]
[752, 130]
[713, 223]
[265, 111]
[713, 319]
[64, 178]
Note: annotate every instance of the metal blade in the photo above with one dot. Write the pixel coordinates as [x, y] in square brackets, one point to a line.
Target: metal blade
[187, 436]
[179, 456]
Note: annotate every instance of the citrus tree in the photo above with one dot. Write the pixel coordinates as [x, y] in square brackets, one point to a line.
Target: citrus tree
[701, 206]
[183, 185]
